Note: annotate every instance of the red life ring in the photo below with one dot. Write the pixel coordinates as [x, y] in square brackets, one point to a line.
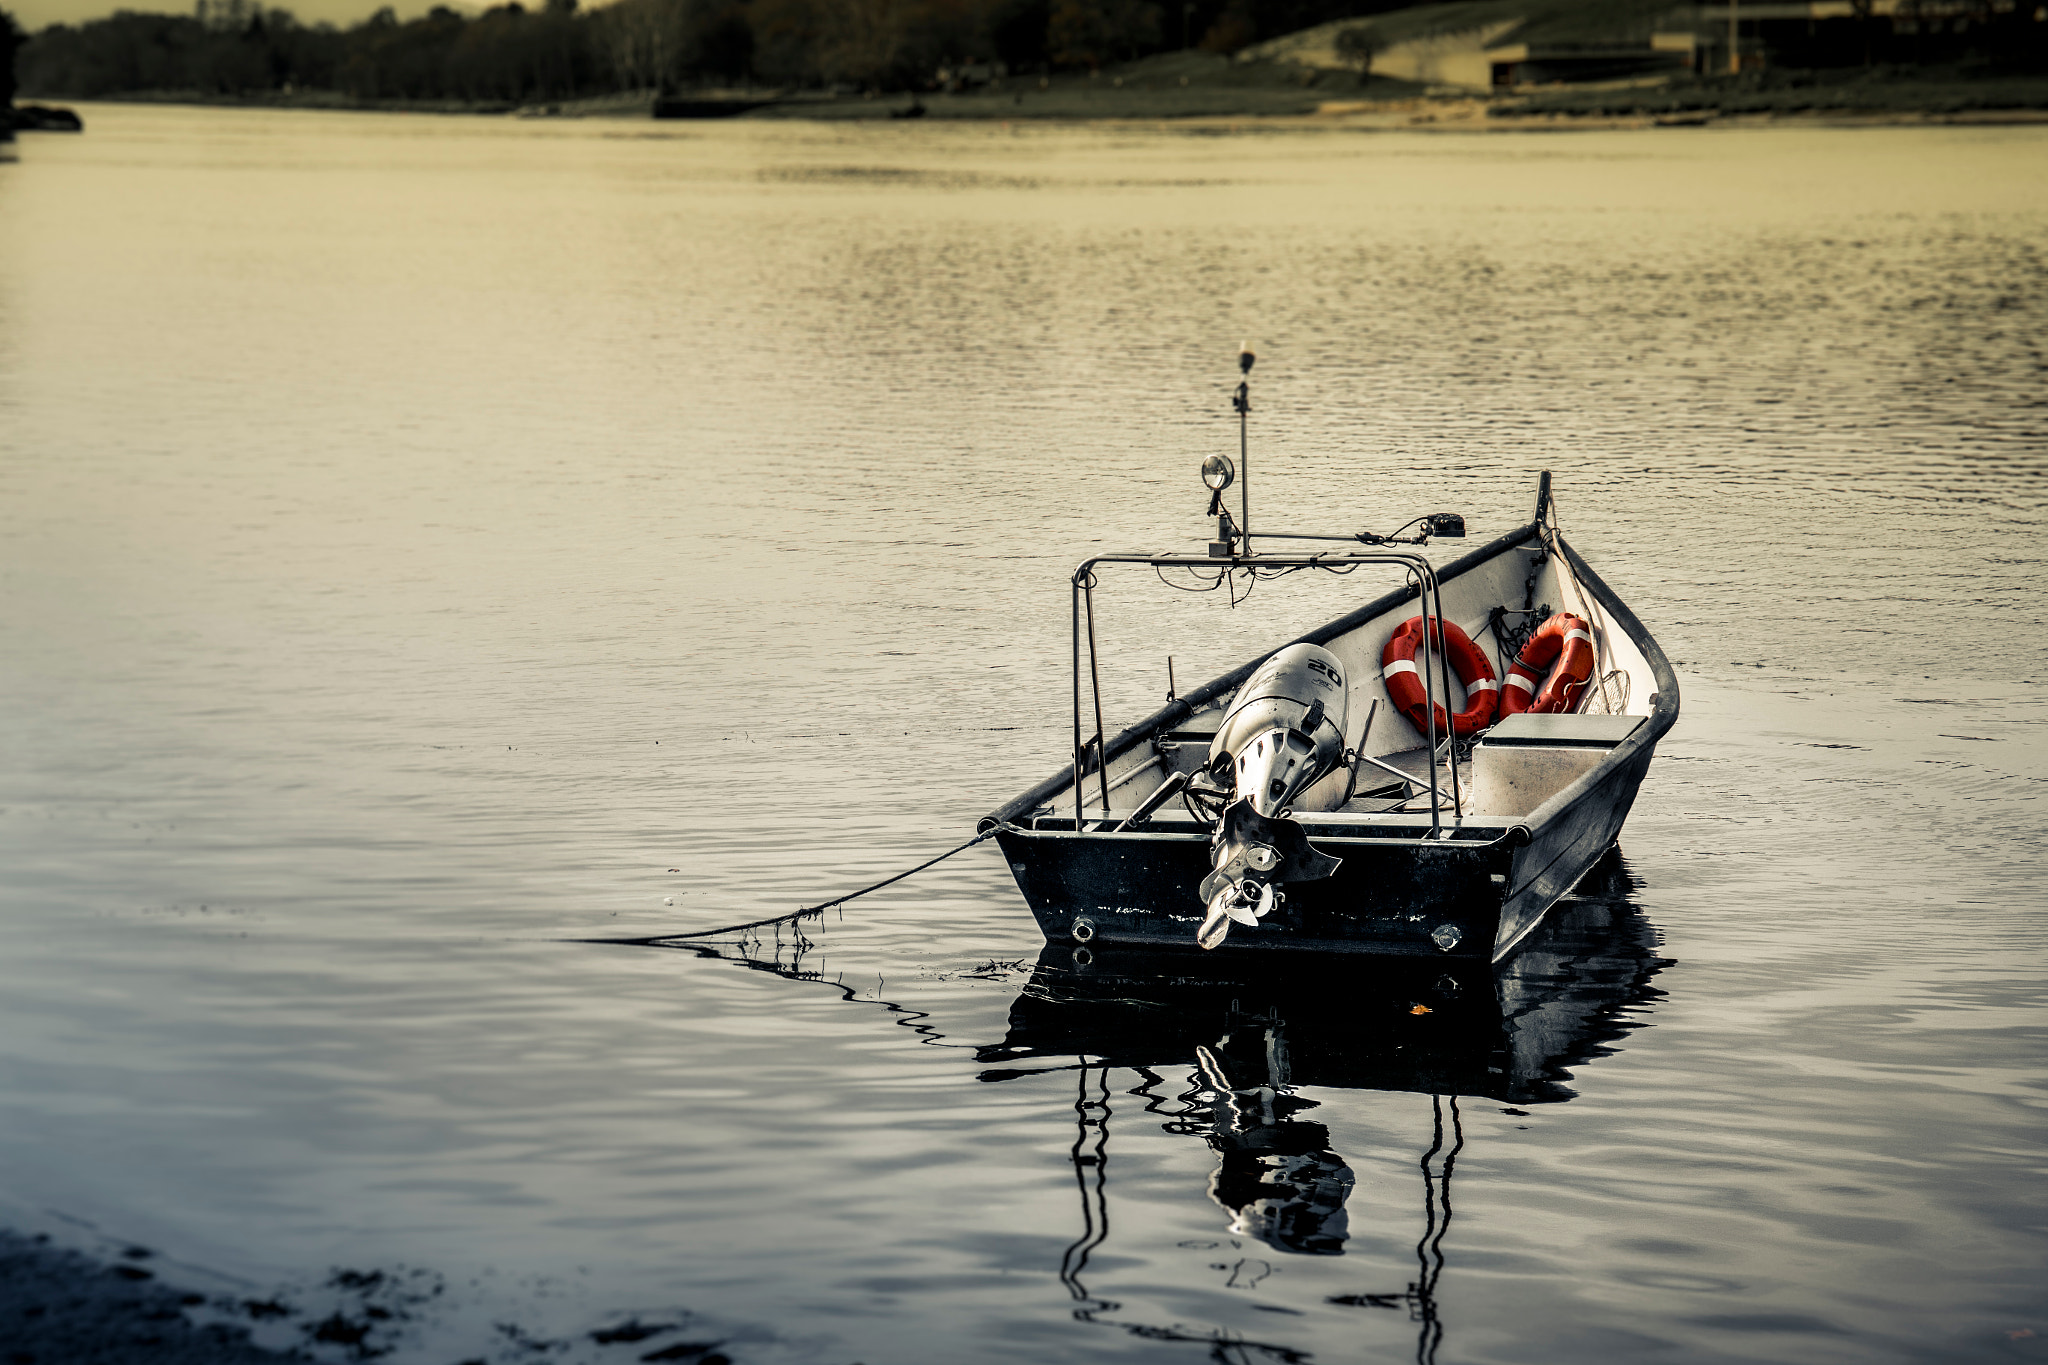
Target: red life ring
[1404, 683]
[1563, 646]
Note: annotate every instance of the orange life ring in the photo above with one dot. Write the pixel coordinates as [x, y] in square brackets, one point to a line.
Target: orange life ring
[1404, 683]
[1562, 646]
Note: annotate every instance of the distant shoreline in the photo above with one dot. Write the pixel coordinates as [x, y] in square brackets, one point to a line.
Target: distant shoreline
[1285, 96]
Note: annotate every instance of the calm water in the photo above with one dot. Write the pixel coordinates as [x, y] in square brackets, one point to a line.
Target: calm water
[423, 542]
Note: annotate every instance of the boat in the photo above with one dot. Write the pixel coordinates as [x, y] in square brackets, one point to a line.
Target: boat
[1324, 797]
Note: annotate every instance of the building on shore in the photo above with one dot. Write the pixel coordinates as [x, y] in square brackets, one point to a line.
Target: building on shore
[1499, 45]
[1750, 35]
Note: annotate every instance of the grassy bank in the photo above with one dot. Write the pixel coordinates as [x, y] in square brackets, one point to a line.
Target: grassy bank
[1900, 94]
[1175, 85]
[1197, 85]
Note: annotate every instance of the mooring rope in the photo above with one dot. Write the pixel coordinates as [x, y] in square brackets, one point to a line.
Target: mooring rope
[794, 916]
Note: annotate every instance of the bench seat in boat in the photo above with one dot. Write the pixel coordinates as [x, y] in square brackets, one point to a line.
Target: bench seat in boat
[1525, 760]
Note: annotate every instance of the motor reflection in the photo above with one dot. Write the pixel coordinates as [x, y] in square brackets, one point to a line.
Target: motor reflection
[1277, 1177]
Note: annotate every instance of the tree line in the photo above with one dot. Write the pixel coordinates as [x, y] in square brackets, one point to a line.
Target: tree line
[558, 51]
[11, 39]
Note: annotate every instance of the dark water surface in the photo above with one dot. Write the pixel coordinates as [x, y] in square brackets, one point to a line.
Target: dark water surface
[425, 541]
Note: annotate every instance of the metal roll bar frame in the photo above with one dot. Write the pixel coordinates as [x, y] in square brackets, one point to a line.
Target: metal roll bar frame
[1420, 572]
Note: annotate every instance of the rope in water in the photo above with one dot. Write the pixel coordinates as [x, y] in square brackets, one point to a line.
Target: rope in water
[806, 912]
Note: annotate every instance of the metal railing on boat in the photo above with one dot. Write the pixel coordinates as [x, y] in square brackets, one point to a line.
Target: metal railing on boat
[1421, 575]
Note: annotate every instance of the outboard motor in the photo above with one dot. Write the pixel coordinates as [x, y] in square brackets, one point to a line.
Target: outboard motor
[1282, 733]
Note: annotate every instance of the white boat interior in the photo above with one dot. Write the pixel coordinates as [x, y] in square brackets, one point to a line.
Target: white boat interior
[1512, 768]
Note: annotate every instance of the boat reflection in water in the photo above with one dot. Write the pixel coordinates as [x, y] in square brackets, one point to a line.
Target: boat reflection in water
[1248, 1036]
[1249, 1033]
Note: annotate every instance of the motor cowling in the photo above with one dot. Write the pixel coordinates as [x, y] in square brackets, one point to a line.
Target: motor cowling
[1284, 730]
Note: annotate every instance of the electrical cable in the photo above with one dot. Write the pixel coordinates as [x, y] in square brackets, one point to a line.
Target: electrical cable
[1206, 585]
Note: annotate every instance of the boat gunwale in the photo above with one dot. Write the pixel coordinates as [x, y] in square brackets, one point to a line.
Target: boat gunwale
[1470, 836]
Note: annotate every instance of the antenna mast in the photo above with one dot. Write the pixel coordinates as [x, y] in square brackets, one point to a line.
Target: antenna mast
[1243, 403]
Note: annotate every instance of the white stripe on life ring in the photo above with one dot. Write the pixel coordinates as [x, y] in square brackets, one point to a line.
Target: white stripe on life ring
[1526, 684]
[1398, 666]
[1578, 635]
[1483, 685]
